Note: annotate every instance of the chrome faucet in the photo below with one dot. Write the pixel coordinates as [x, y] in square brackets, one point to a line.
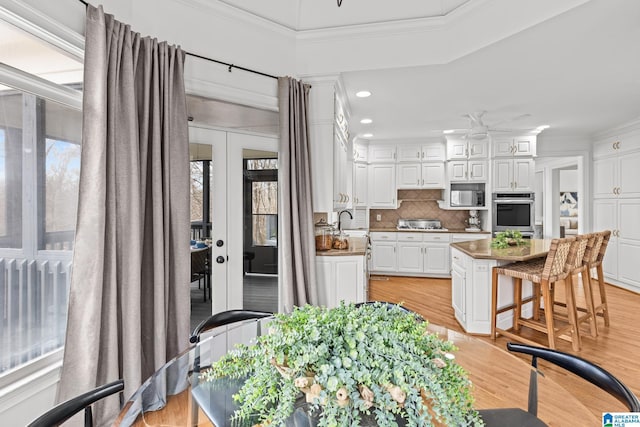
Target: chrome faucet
[340, 215]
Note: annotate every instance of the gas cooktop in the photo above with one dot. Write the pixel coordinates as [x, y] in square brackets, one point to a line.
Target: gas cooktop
[420, 225]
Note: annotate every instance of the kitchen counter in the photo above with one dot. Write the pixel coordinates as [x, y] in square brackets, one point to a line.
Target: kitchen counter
[449, 230]
[357, 246]
[481, 249]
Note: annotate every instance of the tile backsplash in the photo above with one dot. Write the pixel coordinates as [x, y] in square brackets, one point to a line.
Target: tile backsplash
[418, 204]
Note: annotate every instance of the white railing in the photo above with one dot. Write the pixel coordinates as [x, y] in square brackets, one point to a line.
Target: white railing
[33, 308]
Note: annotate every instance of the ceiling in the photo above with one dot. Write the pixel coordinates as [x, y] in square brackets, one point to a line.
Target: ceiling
[578, 72]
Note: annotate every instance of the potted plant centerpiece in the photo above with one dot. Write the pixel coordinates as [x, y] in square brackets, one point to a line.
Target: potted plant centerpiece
[373, 364]
[508, 238]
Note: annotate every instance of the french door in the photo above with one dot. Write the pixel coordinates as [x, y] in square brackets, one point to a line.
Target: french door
[232, 284]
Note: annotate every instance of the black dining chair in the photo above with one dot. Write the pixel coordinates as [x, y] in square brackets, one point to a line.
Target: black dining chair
[223, 318]
[574, 364]
[65, 410]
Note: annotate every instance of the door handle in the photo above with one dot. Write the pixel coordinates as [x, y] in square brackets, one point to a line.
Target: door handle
[220, 259]
[219, 243]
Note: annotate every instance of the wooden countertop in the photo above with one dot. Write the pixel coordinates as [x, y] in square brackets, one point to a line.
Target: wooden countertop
[481, 249]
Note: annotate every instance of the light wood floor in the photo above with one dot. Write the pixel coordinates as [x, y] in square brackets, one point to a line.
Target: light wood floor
[617, 348]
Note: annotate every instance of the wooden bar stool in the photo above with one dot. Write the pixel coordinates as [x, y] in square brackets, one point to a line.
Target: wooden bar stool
[596, 255]
[543, 273]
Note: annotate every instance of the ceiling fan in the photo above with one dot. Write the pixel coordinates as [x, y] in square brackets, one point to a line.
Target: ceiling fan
[479, 130]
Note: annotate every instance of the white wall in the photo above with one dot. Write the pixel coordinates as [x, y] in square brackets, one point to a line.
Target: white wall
[568, 180]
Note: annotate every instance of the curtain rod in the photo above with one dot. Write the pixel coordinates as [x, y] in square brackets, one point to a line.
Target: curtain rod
[230, 66]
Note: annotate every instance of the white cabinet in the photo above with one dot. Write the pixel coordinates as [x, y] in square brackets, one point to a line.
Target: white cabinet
[382, 186]
[427, 152]
[467, 170]
[458, 149]
[521, 146]
[458, 285]
[513, 174]
[382, 153]
[341, 177]
[426, 253]
[360, 172]
[420, 175]
[360, 153]
[341, 278]
[617, 176]
[623, 252]
[383, 252]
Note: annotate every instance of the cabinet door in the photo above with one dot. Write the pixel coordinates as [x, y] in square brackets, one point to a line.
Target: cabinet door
[383, 256]
[477, 170]
[478, 149]
[524, 146]
[340, 196]
[382, 153]
[382, 186]
[629, 170]
[433, 175]
[325, 280]
[436, 259]
[408, 152]
[628, 242]
[457, 170]
[433, 151]
[605, 177]
[409, 175]
[605, 217]
[410, 257]
[502, 175]
[523, 174]
[349, 275]
[360, 184]
[503, 147]
[456, 149]
[458, 288]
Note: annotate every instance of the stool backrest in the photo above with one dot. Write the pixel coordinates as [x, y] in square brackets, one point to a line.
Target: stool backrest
[577, 252]
[556, 261]
[606, 235]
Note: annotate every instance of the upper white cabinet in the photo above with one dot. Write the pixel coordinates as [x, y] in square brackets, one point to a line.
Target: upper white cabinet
[421, 175]
[382, 186]
[521, 146]
[513, 175]
[467, 170]
[383, 153]
[360, 153]
[467, 149]
[427, 152]
[360, 196]
[342, 177]
[616, 170]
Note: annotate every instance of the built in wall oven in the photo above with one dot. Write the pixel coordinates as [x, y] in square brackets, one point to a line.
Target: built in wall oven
[514, 211]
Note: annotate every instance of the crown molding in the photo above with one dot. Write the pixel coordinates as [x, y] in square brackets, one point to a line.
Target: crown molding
[238, 14]
[626, 127]
[43, 27]
[225, 92]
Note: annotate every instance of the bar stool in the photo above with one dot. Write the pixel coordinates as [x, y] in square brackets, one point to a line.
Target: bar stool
[578, 265]
[543, 273]
[596, 255]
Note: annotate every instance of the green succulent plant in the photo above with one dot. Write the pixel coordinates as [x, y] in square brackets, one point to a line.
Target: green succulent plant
[350, 362]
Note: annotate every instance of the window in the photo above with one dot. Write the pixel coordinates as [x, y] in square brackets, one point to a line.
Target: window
[263, 175]
[40, 135]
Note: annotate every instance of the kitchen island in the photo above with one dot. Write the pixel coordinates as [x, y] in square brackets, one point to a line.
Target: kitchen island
[471, 266]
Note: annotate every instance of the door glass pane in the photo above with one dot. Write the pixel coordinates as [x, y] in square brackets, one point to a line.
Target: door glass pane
[10, 170]
[260, 253]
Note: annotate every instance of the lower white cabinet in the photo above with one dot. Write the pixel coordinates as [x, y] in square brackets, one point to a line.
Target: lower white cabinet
[341, 278]
[410, 253]
[623, 251]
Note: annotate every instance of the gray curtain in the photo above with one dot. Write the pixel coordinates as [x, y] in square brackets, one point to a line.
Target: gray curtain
[296, 225]
[129, 296]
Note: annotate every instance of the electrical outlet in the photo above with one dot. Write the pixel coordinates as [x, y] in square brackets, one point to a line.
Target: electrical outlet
[379, 217]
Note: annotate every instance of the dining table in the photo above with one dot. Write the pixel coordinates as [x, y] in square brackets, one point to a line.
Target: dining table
[175, 395]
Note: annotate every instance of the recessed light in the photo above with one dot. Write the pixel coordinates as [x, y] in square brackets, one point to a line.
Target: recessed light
[366, 121]
[363, 94]
[367, 135]
[446, 131]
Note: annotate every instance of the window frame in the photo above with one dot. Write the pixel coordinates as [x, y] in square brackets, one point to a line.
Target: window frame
[72, 43]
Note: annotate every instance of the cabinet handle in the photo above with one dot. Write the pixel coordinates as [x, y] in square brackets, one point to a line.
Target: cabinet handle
[418, 154]
[466, 152]
[471, 174]
[616, 145]
[423, 154]
[394, 156]
[418, 183]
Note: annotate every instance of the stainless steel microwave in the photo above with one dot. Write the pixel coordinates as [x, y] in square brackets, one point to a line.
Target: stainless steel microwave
[467, 198]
